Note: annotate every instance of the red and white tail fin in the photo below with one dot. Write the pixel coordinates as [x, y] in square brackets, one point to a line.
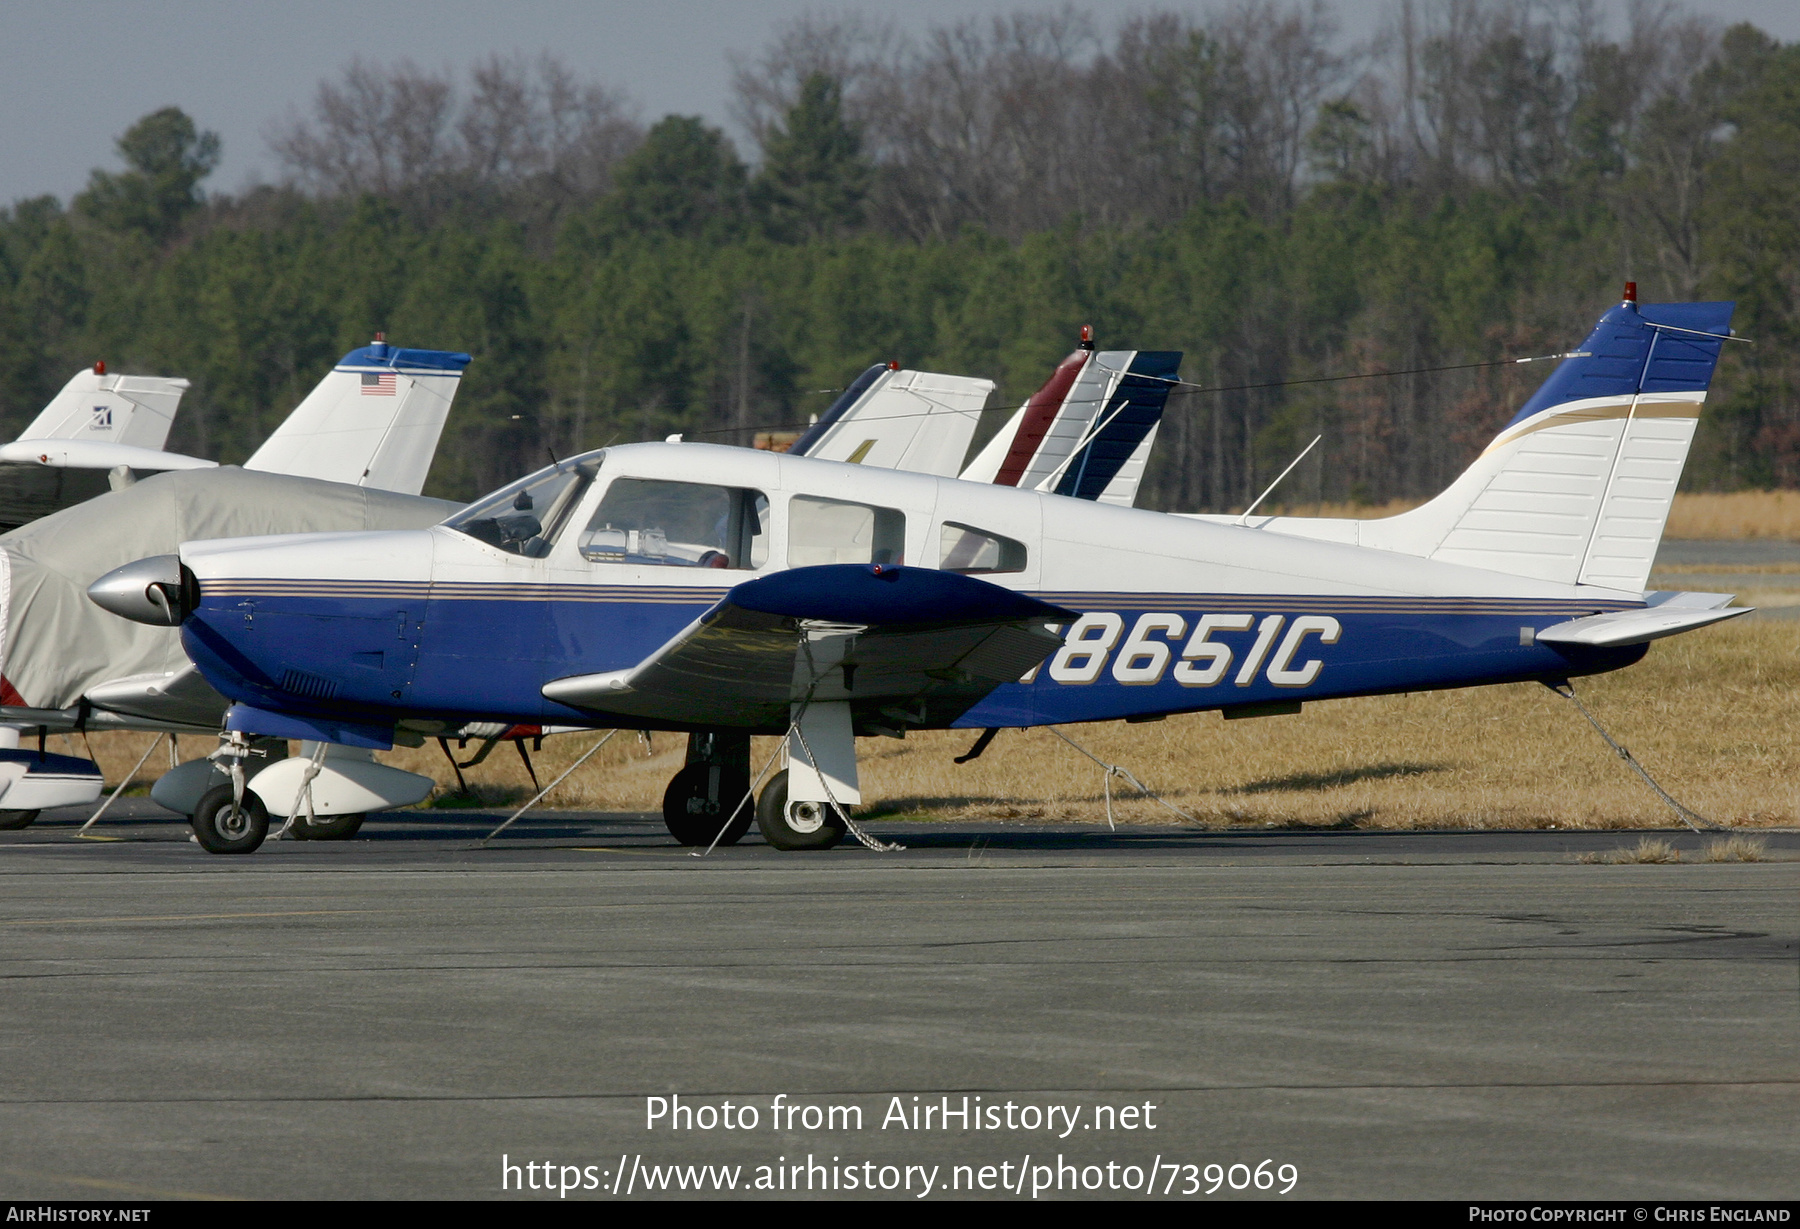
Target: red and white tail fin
[1088, 431]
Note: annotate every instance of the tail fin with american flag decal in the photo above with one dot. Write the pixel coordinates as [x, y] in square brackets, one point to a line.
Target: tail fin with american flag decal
[373, 421]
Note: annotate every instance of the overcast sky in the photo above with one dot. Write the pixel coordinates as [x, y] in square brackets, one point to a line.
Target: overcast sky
[76, 73]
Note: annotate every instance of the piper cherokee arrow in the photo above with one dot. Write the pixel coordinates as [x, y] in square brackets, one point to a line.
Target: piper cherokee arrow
[726, 592]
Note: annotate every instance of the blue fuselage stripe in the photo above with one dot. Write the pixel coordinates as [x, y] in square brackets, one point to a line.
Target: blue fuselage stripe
[414, 653]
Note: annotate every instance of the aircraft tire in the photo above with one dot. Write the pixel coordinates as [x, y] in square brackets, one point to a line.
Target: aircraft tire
[221, 828]
[327, 827]
[693, 816]
[12, 820]
[784, 827]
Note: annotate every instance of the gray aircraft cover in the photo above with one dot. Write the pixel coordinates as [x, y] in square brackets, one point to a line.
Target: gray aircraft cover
[58, 645]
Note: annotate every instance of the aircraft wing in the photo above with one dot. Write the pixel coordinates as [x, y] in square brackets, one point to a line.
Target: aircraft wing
[179, 697]
[901, 645]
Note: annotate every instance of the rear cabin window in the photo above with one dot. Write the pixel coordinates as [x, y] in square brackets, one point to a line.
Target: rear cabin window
[678, 524]
[836, 531]
[966, 549]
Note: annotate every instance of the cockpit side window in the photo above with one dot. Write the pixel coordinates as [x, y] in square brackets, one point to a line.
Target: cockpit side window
[966, 549]
[678, 524]
[527, 517]
[836, 531]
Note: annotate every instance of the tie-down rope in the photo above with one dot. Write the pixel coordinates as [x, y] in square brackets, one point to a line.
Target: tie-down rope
[1119, 770]
[585, 756]
[1691, 818]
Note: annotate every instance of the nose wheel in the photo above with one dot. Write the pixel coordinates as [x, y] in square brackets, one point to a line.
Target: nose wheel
[224, 824]
[796, 825]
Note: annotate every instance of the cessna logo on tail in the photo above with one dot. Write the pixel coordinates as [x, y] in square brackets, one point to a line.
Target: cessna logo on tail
[102, 419]
[1144, 657]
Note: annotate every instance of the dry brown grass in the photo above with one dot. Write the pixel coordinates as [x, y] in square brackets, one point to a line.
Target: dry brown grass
[1711, 714]
[1648, 850]
[1736, 849]
[1740, 514]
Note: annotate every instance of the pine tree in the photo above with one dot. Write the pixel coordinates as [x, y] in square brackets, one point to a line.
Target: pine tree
[168, 158]
[814, 177]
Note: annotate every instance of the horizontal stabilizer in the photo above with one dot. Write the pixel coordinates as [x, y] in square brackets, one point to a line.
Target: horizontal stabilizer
[95, 454]
[1675, 613]
[926, 642]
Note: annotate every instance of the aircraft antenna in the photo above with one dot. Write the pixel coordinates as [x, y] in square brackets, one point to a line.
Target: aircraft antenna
[1245, 519]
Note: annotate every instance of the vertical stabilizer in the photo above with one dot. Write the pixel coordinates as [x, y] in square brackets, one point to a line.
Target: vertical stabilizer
[110, 409]
[374, 421]
[912, 420]
[1088, 431]
[1577, 487]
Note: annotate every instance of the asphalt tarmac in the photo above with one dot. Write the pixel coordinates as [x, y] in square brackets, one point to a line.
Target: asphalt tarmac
[1456, 1015]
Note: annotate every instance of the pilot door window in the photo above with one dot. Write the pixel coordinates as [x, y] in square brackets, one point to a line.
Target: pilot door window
[527, 517]
[972, 551]
[678, 524]
[834, 531]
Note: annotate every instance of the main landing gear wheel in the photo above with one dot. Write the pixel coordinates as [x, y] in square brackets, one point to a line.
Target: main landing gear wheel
[10, 820]
[222, 826]
[700, 798]
[796, 825]
[326, 827]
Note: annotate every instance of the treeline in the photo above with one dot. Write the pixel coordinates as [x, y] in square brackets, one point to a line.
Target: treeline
[1473, 186]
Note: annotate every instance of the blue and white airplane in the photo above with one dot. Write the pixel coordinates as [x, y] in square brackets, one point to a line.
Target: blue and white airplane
[726, 592]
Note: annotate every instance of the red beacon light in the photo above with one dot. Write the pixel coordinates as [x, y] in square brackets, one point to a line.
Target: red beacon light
[1631, 292]
[1087, 337]
[893, 364]
[100, 367]
[380, 337]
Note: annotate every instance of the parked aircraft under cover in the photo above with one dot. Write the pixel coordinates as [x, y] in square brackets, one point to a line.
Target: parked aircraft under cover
[706, 589]
[352, 455]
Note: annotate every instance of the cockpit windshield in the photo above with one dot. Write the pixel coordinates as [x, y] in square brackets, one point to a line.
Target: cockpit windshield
[526, 517]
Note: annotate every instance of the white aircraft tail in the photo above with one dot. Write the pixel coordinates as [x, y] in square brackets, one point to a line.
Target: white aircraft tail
[912, 420]
[1088, 431]
[96, 407]
[1577, 487]
[373, 421]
